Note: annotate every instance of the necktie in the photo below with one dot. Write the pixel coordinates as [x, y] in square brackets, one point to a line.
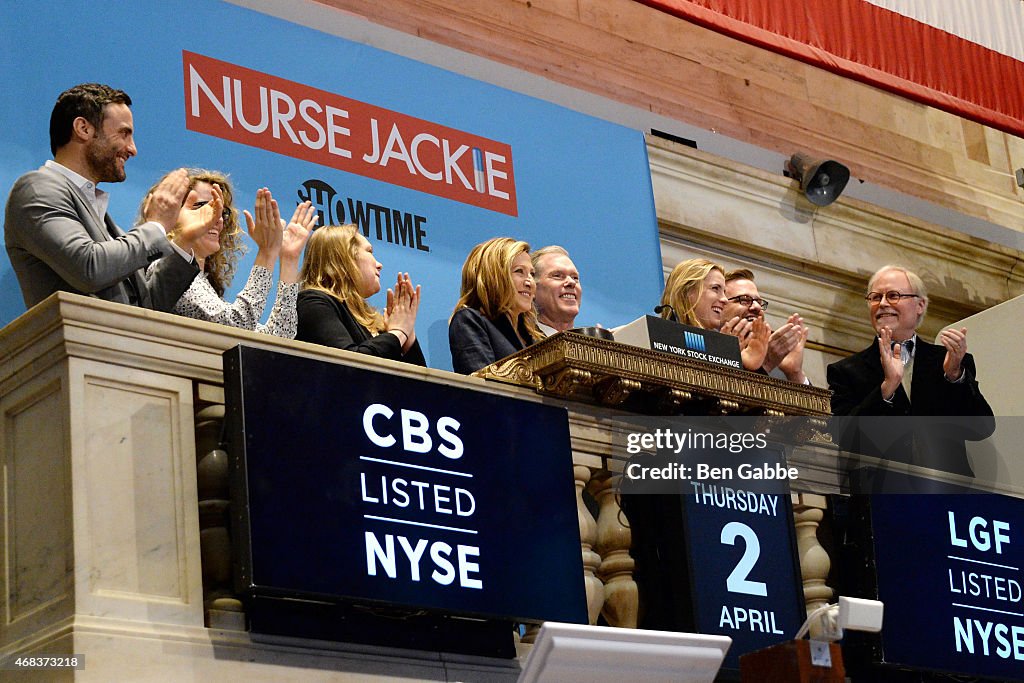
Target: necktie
[906, 348]
[907, 353]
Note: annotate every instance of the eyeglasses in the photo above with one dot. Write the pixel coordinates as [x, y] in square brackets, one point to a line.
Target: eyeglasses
[892, 297]
[747, 301]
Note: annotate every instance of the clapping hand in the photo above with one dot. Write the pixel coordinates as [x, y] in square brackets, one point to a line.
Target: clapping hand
[194, 220]
[955, 342]
[296, 234]
[400, 310]
[786, 349]
[266, 229]
[164, 203]
[753, 336]
[892, 363]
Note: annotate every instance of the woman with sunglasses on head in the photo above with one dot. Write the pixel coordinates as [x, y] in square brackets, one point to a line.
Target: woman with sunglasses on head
[494, 316]
[217, 250]
[338, 276]
[695, 295]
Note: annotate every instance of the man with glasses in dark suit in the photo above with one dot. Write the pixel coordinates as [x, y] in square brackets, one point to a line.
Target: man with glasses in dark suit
[901, 375]
[785, 345]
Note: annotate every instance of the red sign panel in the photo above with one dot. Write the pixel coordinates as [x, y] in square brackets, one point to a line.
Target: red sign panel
[256, 109]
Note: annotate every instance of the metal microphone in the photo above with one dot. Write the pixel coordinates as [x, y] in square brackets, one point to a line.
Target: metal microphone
[673, 317]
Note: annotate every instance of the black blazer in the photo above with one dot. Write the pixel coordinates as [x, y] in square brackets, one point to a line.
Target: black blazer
[476, 341]
[325, 320]
[856, 385]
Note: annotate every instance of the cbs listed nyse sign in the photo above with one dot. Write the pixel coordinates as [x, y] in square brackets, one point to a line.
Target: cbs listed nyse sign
[363, 486]
[260, 110]
[417, 557]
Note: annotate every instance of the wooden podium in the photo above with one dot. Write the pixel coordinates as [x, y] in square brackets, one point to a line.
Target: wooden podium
[583, 368]
[790, 662]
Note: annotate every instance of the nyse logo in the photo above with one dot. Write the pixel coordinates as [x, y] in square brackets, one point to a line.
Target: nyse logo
[383, 223]
[694, 341]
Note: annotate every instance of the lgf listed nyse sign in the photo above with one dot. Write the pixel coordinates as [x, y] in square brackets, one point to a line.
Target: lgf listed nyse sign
[955, 603]
[365, 486]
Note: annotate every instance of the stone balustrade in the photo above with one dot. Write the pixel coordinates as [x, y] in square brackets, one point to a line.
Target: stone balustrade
[114, 528]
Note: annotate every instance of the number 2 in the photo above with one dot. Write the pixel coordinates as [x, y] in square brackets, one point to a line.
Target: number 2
[737, 581]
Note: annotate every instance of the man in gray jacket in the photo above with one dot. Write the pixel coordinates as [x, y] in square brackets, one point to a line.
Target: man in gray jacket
[57, 232]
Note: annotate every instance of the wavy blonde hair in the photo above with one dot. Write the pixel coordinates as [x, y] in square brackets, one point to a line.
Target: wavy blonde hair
[684, 287]
[487, 282]
[219, 267]
[330, 266]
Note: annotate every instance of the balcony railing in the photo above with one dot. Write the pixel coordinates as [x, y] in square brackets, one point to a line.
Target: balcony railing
[114, 533]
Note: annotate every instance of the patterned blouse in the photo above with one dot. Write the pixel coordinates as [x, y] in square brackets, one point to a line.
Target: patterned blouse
[200, 301]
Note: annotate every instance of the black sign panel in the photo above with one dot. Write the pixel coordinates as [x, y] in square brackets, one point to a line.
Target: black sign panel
[721, 553]
[950, 569]
[694, 342]
[353, 485]
[669, 336]
[744, 575]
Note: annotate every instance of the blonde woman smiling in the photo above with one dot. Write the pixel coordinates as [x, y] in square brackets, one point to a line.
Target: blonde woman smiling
[695, 295]
[494, 316]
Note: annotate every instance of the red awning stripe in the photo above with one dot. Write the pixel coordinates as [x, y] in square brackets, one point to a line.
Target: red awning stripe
[860, 40]
[995, 24]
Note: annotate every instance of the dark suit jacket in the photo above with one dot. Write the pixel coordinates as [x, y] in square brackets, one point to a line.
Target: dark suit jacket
[56, 243]
[476, 341]
[964, 413]
[325, 320]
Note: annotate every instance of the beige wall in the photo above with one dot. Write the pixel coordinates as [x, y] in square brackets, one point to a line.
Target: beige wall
[628, 53]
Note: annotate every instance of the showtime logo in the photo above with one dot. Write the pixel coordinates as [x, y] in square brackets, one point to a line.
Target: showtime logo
[260, 110]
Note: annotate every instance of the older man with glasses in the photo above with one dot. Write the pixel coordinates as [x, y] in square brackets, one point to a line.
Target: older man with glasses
[785, 345]
[899, 374]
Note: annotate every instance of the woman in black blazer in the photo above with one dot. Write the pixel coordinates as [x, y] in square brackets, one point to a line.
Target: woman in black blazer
[494, 317]
[338, 275]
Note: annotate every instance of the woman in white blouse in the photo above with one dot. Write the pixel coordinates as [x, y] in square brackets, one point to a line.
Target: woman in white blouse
[217, 252]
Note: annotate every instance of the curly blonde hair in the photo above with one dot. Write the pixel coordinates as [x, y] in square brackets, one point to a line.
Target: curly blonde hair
[684, 287]
[330, 266]
[219, 267]
[487, 282]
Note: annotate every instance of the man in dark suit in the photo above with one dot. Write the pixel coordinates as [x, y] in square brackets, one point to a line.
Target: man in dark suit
[900, 375]
[785, 349]
[57, 232]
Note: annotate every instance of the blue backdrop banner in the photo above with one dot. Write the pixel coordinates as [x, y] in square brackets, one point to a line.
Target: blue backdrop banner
[427, 162]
